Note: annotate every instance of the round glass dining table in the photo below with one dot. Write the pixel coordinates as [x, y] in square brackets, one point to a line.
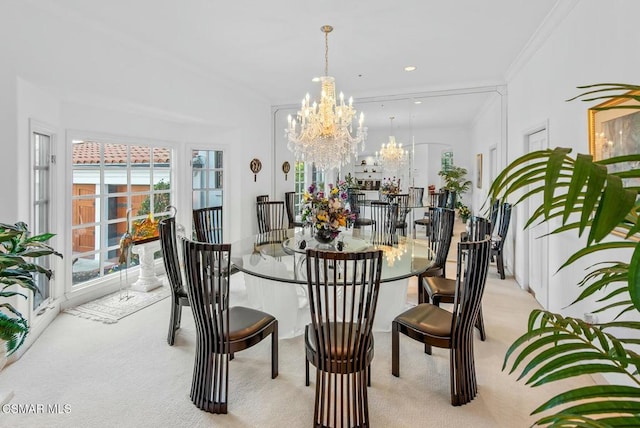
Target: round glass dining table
[251, 255]
[275, 268]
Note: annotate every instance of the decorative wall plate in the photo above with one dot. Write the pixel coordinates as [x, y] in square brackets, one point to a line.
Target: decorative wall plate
[255, 166]
[286, 167]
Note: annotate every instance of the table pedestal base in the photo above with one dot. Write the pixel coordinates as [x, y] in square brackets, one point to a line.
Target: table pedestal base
[147, 280]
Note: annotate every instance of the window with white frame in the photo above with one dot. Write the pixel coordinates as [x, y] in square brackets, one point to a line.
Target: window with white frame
[111, 180]
[299, 187]
[317, 177]
[41, 208]
[207, 174]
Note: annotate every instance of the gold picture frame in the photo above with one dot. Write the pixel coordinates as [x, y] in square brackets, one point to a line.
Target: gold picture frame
[615, 131]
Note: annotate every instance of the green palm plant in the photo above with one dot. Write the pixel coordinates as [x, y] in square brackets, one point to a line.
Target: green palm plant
[584, 198]
[17, 249]
[455, 178]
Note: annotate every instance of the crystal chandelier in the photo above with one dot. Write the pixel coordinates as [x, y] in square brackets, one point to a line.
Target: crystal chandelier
[392, 156]
[325, 135]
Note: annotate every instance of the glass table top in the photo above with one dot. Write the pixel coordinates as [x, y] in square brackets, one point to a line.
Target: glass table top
[279, 255]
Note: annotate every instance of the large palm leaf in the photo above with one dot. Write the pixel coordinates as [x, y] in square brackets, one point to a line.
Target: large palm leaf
[581, 196]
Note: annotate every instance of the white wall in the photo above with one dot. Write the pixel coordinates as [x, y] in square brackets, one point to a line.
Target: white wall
[595, 43]
[430, 143]
[486, 133]
[8, 143]
[81, 78]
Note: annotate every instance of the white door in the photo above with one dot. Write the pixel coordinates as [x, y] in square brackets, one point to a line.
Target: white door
[538, 246]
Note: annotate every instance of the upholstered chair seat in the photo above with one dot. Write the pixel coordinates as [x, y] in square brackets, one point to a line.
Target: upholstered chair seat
[429, 319]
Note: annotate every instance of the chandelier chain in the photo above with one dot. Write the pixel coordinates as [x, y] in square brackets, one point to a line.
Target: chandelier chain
[326, 53]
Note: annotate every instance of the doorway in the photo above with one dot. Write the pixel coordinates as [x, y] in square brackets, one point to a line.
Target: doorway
[537, 243]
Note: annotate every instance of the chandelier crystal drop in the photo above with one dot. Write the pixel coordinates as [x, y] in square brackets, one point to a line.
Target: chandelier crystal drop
[325, 132]
[392, 155]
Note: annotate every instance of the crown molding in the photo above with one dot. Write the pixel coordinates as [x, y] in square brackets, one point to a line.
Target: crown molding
[555, 17]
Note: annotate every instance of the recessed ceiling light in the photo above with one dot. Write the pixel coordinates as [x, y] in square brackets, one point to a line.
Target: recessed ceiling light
[410, 68]
[417, 102]
[315, 79]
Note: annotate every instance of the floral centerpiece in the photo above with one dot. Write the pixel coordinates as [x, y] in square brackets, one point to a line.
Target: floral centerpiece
[464, 212]
[389, 188]
[326, 213]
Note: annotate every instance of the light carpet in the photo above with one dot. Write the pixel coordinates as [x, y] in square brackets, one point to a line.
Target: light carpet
[113, 307]
[126, 375]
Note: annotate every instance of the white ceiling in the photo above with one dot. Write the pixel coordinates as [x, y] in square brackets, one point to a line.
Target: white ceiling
[275, 47]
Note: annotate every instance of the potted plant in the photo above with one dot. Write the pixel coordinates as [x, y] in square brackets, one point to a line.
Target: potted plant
[455, 179]
[17, 249]
[583, 196]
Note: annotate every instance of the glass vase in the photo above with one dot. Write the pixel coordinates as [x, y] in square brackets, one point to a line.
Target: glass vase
[325, 236]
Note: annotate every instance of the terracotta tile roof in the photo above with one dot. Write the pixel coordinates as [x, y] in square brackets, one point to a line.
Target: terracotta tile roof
[88, 152]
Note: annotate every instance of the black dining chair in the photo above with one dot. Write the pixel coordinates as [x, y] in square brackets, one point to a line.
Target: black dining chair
[438, 327]
[448, 199]
[436, 199]
[402, 200]
[415, 196]
[270, 216]
[221, 330]
[500, 238]
[356, 202]
[343, 295]
[289, 200]
[179, 298]
[207, 223]
[439, 236]
[385, 220]
[442, 290]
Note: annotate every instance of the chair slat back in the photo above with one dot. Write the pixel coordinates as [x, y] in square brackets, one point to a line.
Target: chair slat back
[207, 223]
[493, 214]
[385, 218]
[443, 196]
[354, 205]
[434, 199]
[262, 198]
[289, 200]
[343, 295]
[415, 196]
[402, 199]
[447, 198]
[270, 216]
[479, 228]
[169, 246]
[471, 277]
[505, 219]
[207, 268]
[440, 231]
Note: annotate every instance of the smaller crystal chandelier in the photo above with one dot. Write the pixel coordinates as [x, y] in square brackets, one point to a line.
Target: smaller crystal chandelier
[325, 135]
[392, 156]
